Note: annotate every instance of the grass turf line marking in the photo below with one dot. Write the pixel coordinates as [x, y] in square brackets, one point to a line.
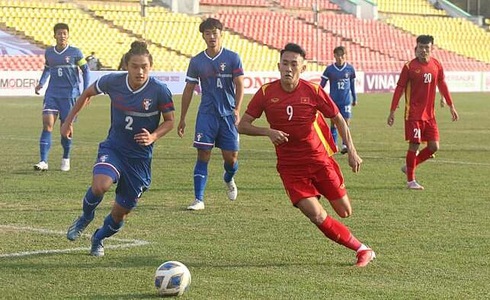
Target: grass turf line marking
[124, 243]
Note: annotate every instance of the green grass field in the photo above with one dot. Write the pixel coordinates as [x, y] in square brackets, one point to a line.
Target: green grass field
[431, 244]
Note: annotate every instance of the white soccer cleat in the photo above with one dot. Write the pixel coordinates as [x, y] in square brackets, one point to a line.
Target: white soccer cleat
[97, 248]
[344, 149]
[65, 164]
[413, 185]
[41, 166]
[196, 205]
[232, 190]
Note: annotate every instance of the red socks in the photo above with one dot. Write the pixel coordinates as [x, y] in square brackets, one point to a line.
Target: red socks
[339, 233]
[424, 155]
[411, 163]
[412, 160]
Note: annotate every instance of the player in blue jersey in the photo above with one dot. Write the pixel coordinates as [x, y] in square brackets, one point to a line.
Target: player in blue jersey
[137, 103]
[220, 73]
[342, 88]
[62, 67]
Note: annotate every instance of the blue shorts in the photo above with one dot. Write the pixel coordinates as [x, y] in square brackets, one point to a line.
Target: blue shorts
[212, 130]
[345, 109]
[132, 175]
[58, 106]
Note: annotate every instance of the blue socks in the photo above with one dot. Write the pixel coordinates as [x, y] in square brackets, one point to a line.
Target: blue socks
[66, 143]
[90, 202]
[333, 131]
[230, 171]
[200, 179]
[109, 228]
[45, 145]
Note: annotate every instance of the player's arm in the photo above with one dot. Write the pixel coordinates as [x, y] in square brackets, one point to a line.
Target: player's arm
[42, 80]
[400, 88]
[245, 126]
[324, 79]
[239, 91]
[444, 90]
[146, 138]
[354, 159]
[186, 102]
[85, 75]
[83, 65]
[67, 126]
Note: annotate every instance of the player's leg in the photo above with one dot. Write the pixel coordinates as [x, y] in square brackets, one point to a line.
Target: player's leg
[230, 165]
[346, 111]
[101, 183]
[106, 171]
[334, 132]
[413, 134]
[113, 223]
[207, 127]
[65, 107]
[200, 178]
[335, 230]
[411, 160]
[49, 119]
[134, 181]
[329, 182]
[227, 140]
[427, 152]
[304, 190]
[431, 135]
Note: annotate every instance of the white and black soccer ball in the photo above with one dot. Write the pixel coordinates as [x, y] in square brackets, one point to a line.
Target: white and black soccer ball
[172, 278]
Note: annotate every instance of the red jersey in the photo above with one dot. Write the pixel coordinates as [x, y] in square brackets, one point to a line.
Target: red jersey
[419, 81]
[296, 113]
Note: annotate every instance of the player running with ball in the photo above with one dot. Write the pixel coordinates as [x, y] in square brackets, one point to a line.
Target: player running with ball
[304, 158]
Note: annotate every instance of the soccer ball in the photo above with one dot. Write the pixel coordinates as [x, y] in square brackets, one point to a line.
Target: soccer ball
[172, 278]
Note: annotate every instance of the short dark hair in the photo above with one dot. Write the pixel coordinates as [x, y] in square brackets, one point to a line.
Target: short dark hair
[425, 39]
[137, 48]
[338, 49]
[210, 24]
[60, 26]
[292, 47]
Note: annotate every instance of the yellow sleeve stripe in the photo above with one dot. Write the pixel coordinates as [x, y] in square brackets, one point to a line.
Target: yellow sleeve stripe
[81, 62]
[319, 131]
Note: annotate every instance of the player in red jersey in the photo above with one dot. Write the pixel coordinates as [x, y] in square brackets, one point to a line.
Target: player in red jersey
[418, 80]
[304, 147]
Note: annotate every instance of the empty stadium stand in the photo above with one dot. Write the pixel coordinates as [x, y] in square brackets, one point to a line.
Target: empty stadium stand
[256, 29]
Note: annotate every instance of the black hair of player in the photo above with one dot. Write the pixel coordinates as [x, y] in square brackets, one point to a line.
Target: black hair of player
[295, 48]
[210, 24]
[138, 48]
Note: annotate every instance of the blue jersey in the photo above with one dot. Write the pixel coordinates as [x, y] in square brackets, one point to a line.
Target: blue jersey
[62, 68]
[131, 111]
[216, 76]
[342, 85]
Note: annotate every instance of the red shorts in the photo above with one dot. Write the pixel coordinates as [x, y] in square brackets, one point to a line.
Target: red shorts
[307, 181]
[421, 131]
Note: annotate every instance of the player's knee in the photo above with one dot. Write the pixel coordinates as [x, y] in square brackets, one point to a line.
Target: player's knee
[433, 147]
[345, 213]
[99, 189]
[317, 219]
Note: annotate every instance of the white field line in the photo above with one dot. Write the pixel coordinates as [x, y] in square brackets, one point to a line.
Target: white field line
[123, 243]
[434, 161]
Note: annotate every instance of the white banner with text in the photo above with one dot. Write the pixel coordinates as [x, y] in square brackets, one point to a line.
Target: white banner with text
[22, 83]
